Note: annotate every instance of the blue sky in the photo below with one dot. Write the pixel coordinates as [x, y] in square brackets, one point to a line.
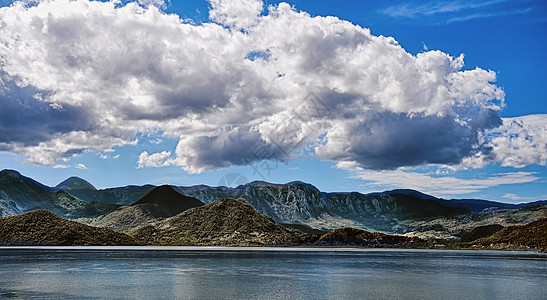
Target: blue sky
[73, 116]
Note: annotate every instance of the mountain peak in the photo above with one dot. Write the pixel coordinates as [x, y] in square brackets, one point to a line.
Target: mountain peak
[408, 192]
[256, 183]
[265, 183]
[168, 197]
[75, 183]
[12, 173]
[302, 184]
[12, 176]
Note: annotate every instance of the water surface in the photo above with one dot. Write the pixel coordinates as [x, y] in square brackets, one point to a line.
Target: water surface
[268, 273]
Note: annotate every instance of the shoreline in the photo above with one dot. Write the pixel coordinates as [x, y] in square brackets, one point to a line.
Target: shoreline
[269, 249]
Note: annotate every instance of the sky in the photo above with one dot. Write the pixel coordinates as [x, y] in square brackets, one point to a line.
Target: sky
[445, 97]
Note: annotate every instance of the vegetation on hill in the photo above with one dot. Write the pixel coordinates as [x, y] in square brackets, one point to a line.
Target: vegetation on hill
[231, 222]
[46, 228]
[226, 222]
[299, 203]
[480, 232]
[359, 237]
[453, 228]
[125, 218]
[160, 203]
[532, 235]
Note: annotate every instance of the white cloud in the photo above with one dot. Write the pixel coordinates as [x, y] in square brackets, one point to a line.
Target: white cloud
[161, 4]
[516, 197]
[87, 75]
[104, 156]
[413, 10]
[235, 13]
[81, 166]
[520, 141]
[64, 146]
[441, 186]
[446, 12]
[153, 160]
[489, 15]
[60, 166]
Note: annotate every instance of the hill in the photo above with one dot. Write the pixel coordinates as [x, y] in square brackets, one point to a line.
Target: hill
[168, 202]
[75, 183]
[12, 174]
[45, 228]
[359, 237]
[472, 226]
[225, 222]
[162, 202]
[532, 235]
[479, 232]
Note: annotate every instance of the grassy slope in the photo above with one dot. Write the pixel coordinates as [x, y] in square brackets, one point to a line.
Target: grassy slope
[44, 227]
[223, 222]
[532, 235]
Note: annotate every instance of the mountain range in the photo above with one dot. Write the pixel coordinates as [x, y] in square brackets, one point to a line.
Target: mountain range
[125, 208]
[20, 194]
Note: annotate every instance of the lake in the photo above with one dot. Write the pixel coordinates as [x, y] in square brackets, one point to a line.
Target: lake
[268, 273]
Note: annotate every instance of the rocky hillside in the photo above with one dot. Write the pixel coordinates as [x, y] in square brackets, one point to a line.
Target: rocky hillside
[472, 226]
[479, 232]
[162, 202]
[20, 194]
[45, 228]
[225, 222]
[532, 235]
[302, 203]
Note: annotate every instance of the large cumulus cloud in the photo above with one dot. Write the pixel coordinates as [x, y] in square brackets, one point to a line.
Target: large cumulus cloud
[520, 141]
[27, 120]
[275, 81]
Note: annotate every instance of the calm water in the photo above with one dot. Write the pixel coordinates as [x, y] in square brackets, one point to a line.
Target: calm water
[242, 273]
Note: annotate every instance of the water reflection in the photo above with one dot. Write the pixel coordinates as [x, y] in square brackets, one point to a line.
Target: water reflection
[166, 273]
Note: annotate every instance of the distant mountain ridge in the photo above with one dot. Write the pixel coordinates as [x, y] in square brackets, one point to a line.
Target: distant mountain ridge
[485, 206]
[20, 194]
[5, 174]
[301, 203]
[291, 203]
